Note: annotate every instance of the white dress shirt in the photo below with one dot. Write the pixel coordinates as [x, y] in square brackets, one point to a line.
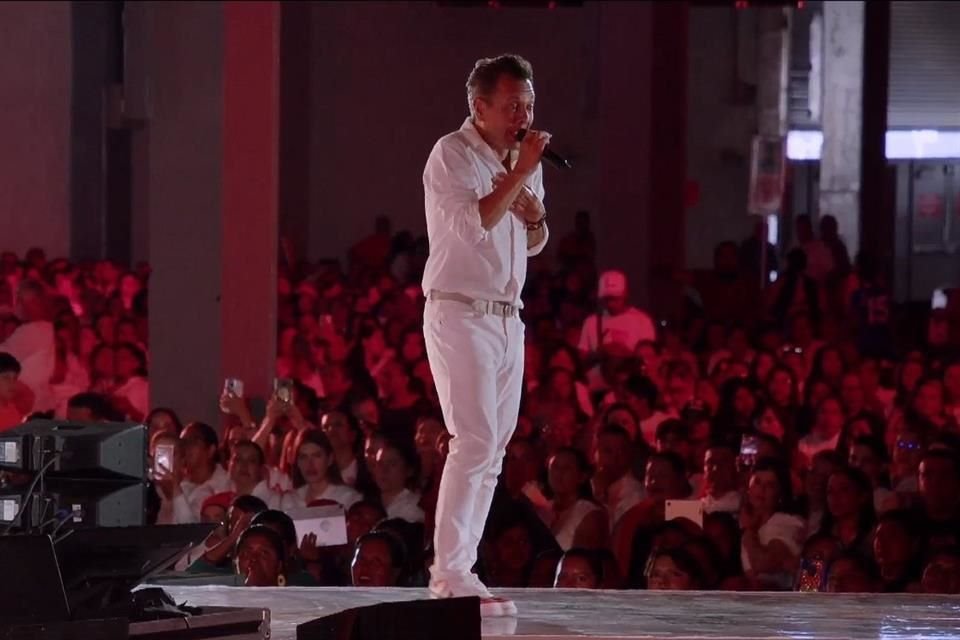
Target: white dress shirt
[187, 505]
[464, 257]
[406, 506]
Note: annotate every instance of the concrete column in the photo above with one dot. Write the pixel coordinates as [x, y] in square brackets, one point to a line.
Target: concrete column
[842, 117]
[212, 199]
[773, 70]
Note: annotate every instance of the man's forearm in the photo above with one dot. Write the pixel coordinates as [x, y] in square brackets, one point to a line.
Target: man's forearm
[496, 204]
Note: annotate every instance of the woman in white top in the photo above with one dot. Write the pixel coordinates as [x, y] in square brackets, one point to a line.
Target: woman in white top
[315, 474]
[346, 438]
[132, 393]
[196, 474]
[396, 471]
[772, 538]
[572, 515]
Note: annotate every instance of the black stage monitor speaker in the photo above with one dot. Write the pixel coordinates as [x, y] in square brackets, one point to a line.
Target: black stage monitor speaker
[442, 619]
[76, 450]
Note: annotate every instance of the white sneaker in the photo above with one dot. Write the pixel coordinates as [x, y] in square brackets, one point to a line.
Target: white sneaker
[490, 606]
[496, 607]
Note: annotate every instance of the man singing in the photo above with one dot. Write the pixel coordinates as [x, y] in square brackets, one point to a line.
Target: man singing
[483, 193]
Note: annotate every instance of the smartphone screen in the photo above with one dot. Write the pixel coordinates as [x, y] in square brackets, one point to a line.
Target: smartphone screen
[163, 459]
[283, 389]
[233, 387]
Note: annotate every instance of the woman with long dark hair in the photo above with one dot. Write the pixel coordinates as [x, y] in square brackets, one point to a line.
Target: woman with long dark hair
[316, 475]
[572, 515]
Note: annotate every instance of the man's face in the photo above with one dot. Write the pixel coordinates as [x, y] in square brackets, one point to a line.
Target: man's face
[503, 113]
[720, 470]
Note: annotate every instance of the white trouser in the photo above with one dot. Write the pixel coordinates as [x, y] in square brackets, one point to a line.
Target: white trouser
[477, 365]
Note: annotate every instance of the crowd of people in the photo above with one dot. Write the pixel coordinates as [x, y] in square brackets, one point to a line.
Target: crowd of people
[780, 438]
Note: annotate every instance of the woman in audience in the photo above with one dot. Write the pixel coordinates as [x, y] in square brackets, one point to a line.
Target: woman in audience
[378, 560]
[260, 558]
[315, 474]
[346, 439]
[580, 569]
[284, 526]
[674, 570]
[163, 420]
[199, 477]
[395, 474]
[825, 434]
[870, 456]
[851, 572]
[771, 535]
[572, 515]
[898, 550]
[131, 395]
[850, 516]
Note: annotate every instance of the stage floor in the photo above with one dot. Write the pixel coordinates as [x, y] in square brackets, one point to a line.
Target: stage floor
[547, 614]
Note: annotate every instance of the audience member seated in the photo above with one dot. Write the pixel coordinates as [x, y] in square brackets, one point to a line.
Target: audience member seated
[163, 420]
[196, 476]
[572, 515]
[378, 560]
[315, 474]
[10, 414]
[850, 517]
[898, 550]
[91, 407]
[260, 558]
[396, 473]
[580, 569]
[217, 558]
[771, 535]
[851, 572]
[248, 472]
[674, 570]
[614, 485]
[720, 480]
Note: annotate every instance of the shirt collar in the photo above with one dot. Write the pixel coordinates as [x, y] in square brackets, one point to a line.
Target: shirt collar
[477, 142]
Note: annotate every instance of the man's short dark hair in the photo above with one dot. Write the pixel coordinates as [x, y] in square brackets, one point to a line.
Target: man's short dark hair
[98, 404]
[9, 364]
[249, 504]
[487, 71]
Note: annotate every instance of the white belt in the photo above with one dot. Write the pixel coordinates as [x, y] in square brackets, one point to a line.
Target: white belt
[492, 307]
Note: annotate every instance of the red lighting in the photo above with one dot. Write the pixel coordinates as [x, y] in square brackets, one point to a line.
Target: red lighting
[493, 4]
[552, 6]
[741, 4]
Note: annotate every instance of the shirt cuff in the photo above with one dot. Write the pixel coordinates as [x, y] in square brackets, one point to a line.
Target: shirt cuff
[537, 248]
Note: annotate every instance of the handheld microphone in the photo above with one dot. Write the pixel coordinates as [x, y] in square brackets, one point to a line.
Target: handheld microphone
[552, 157]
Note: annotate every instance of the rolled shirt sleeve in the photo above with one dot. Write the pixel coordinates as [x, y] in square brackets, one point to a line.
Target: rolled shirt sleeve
[452, 194]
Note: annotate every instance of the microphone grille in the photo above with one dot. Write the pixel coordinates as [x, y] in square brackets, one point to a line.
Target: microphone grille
[520, 134]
